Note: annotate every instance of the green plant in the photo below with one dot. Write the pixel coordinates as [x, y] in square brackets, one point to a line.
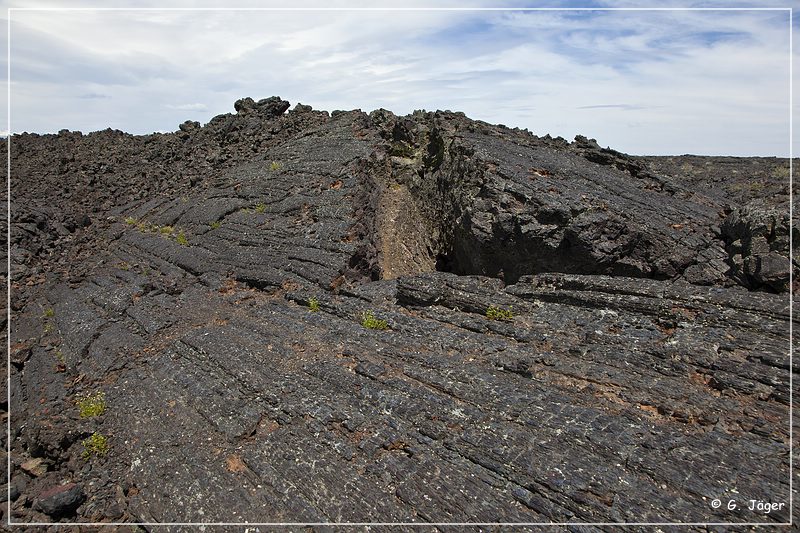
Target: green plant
[181, 239]
[313, 304]
[48, 328]
[166, 230]
[216, 224]
[60, 356]
[369, 321]
[97, 444]
[49, 313]
[498, 313]
[275, 166]
[260, 208]
[131, 221]
[780, 172]
[91, 404]
[401, 149]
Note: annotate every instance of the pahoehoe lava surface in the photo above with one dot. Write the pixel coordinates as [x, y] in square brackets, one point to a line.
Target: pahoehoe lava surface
[207, 288]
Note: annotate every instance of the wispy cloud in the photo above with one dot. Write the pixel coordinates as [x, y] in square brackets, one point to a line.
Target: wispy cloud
[187, 107]
[642, 82]
[624, 107]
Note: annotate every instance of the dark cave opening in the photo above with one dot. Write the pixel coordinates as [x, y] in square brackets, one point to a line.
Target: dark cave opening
[508, 255]
[444, 263]
[468, 262]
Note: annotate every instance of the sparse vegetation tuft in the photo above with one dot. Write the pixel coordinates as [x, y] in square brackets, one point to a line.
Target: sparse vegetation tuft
[498, 313]
[401, 149]
[275, 166]
[313, 304]
[260, 208]
[91, 404]
[780, 172]
[216, 224]
[97, 444]
[164, 231]
[369, 321]
[49, 313]
[131, 221]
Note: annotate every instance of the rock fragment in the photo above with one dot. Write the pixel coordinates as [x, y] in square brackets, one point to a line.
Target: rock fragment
[61, 500]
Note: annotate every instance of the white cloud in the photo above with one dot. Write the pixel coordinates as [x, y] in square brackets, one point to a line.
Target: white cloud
[682, 81]
[188, 107]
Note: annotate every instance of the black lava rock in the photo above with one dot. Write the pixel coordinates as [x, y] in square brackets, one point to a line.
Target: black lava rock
[572, 334]
[61, 500]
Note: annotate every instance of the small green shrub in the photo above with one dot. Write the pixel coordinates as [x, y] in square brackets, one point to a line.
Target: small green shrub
[216, 224]
[181, 239]
[313, 304]
[780, 172]
[166, 230]
[131, 221]
[369, 321]
[49, 313]
[90, 405]
[97, 444]
[275, 166]
[48, 328]
[498, 313]
[260, 208]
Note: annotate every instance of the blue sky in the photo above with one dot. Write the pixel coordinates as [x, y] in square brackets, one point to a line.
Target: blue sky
[643, 82]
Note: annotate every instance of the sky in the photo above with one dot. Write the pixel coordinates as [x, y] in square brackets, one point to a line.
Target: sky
[642, 82]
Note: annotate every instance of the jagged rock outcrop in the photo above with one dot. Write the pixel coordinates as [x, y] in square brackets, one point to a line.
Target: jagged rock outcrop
[757, 240]
[208, 288]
